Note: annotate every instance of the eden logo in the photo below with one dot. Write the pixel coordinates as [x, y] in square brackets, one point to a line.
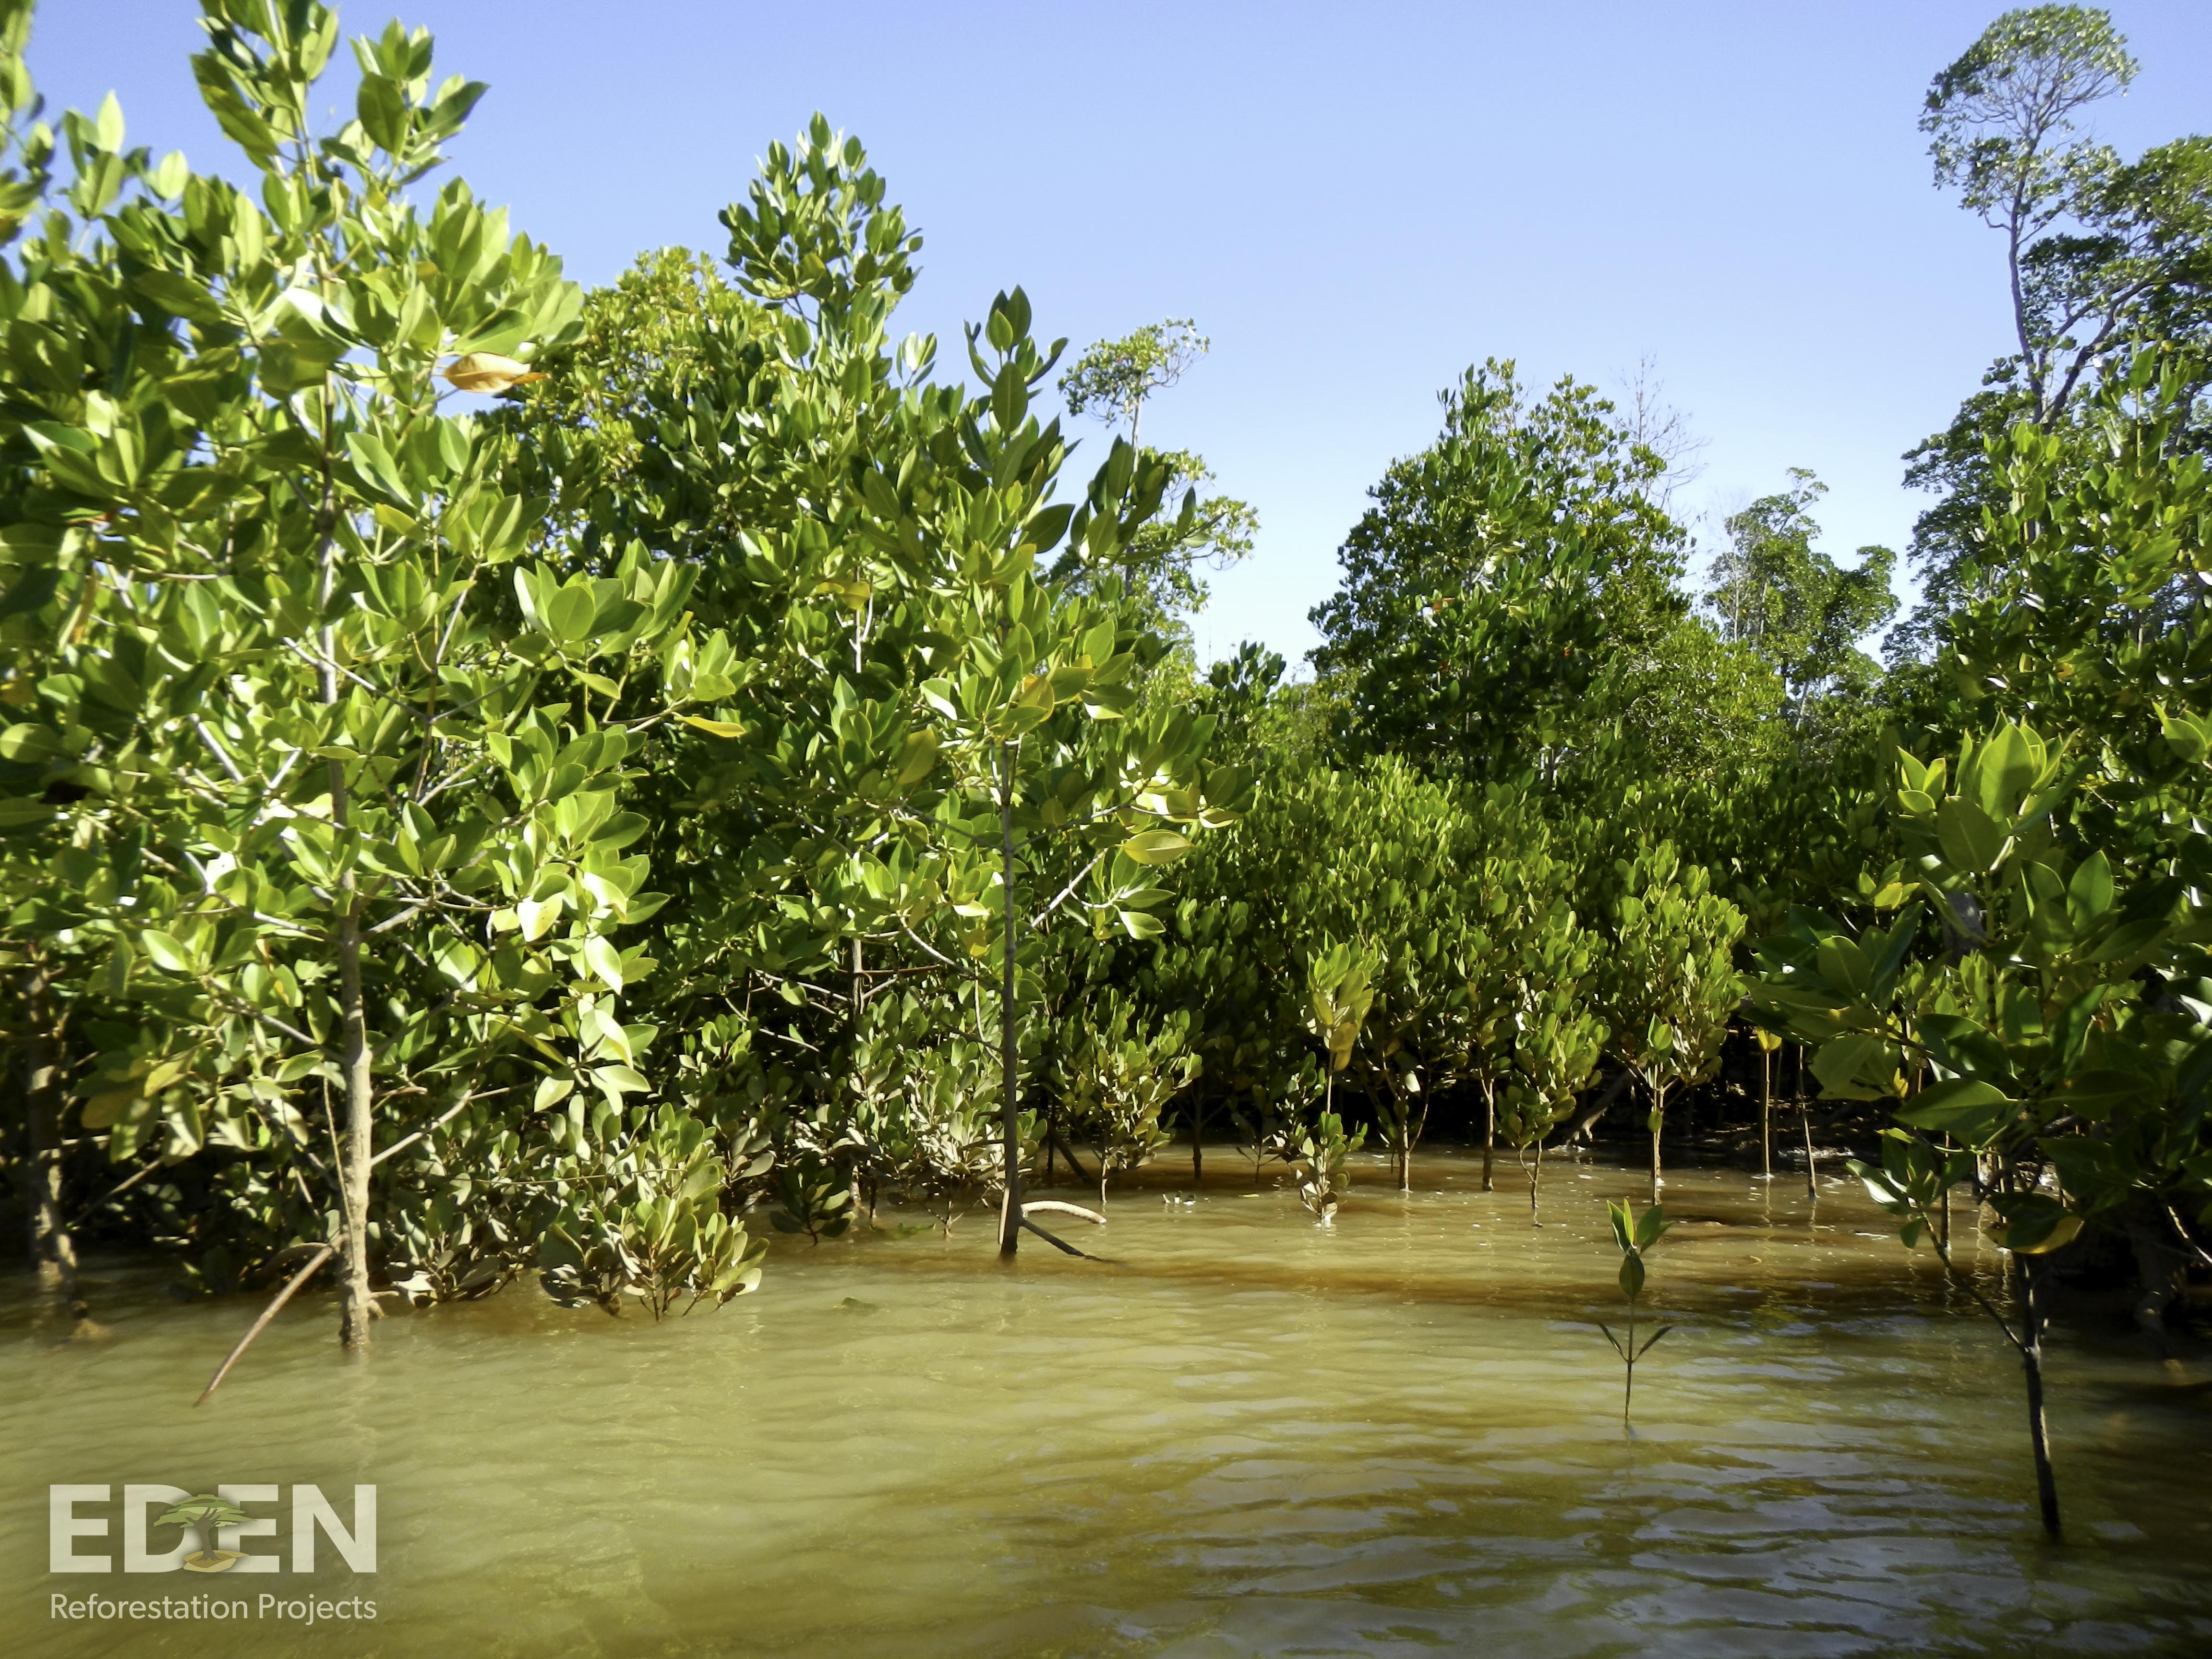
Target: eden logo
[215, 1526]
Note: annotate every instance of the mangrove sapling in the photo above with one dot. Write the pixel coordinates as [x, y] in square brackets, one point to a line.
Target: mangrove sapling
[200, 1515]
[1674, 982]
[1122, 1079]
[1768, 1043]
[1040, 759]
[1913, 1183]
[1557, 1039]
[948, 1152]
[1318, 1161]
[1634, 1234]
[658, 1231]
[1486, 1014]
[1340, 991]
[2062, 1090]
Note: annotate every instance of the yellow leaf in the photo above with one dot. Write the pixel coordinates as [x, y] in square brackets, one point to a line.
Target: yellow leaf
[714, 728]
[487, 371]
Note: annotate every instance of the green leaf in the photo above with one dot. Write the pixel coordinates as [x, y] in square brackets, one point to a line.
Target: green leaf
[2089, 894]
[2129, 939]
[1972, 839]
[570, 614]
[603, 960]
[1139, 925]
[1632, 1275]
[28, 742]
[2095, 1095]
[2031, 1224]
[1967, 1109]
[179, 295]
[1155, 847]
[1848, 1065]
[166, 952]
[1844, 966]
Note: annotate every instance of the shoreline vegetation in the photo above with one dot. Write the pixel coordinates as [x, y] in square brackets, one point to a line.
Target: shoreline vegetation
[505, 782]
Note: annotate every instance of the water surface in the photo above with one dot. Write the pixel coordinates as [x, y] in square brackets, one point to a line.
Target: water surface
[1246, 1435]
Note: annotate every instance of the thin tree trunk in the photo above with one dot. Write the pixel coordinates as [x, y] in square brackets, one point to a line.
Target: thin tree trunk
[1943, 1220]
[1489, 1132]
[1658, 1121]
[1628, 1387]
[2046, 1484]
[1766, 1115]
[860, 667]
[1536, 1176]
[357, 1307]
[1812, 1182]
[52, 1247]
[1010, 1218]
[1197, 1142]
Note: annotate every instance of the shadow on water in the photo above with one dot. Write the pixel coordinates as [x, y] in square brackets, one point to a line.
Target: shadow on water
[1255, 1436]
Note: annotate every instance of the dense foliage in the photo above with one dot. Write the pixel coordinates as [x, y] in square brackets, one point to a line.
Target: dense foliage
[497, 778]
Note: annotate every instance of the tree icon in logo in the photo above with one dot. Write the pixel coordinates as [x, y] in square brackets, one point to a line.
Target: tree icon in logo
[200, 1517]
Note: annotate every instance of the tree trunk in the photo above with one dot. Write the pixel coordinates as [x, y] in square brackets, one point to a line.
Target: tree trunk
[1197, 1143]
[2046, 1484]
[1535, 1175]
[1812, 1184]
[1943, 1217]
[1766, 1115]
[1489, 1132]
[52, 1248]
[1658, 1123]
[1010, 1218]
[357, 1307]
[1628, 1383]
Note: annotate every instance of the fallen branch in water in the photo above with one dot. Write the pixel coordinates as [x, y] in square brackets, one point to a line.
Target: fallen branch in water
[267, 1314]
[1054, 1204]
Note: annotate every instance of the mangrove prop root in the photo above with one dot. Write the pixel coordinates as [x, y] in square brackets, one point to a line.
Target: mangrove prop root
[1058, 1243]
[267, 1314]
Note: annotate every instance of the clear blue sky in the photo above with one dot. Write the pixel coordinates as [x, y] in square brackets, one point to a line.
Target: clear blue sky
[1354, 201]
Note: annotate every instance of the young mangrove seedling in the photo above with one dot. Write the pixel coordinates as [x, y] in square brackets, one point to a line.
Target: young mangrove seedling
[1634, 1234]
[1319, 1158]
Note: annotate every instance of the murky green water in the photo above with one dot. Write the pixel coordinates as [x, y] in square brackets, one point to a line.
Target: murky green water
[1249, 1437]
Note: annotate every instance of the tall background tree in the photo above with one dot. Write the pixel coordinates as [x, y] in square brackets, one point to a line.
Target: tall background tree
[2103, 256]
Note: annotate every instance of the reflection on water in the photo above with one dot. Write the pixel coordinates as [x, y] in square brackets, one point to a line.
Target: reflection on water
[1247, 1435]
